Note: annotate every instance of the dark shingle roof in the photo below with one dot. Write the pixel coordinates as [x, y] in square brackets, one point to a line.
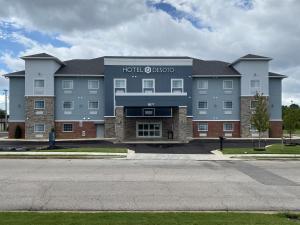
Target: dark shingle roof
[271, 74]
[201, 67]
[83, 66]
[17, 73]
[251, 56]
[40, 55]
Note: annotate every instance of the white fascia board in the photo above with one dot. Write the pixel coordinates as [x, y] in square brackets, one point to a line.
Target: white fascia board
[151, 94]
[147, 62]
[220, 75]
[279, 77]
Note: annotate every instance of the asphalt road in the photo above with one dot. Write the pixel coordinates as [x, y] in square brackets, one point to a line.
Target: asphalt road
[97, 184]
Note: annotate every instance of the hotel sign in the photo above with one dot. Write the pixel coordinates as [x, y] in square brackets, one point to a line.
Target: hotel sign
[148, 69]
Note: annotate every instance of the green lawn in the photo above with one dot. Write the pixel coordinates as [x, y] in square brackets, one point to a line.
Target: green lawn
[105, 150]
[123, 218]
[274, 149]
[286, 133]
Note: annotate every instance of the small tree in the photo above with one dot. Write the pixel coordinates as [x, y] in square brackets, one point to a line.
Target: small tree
[260, 118]
[290, 121]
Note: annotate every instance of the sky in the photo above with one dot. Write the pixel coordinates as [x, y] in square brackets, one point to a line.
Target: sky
[206, 29]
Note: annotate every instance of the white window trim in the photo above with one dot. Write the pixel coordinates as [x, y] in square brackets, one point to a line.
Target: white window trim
[160, 129]
[232, 125]
[39, 100]
[177, 88]
[198, 127]
[63, 128]
[93, 108]
[67, 108]
[203, 108]
[115, 79]
[255, 87]
[224, 104]
[224, 85]
[143, 86]
[202, 88]
[35, 131]
[67, 88]
[93, 81]
[38, 87]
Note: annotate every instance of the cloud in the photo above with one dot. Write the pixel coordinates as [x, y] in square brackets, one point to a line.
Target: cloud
[95, 28]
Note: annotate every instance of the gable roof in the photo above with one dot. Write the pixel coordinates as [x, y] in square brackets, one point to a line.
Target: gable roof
[42, 56]
[276, 75]
[251, 56]
[201, 67]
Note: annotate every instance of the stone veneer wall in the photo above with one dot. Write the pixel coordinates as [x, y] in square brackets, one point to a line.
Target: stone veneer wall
[182, 123]
[109, 127]
[245, 117]
[33, 116]
[119, 123]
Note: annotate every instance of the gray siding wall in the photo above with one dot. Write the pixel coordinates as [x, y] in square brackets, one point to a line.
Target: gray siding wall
[16, 98]
[215, 95]
[80, 95]
[275, 98]
[134, 84]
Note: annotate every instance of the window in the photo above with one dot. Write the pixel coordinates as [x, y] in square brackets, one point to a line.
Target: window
[148, 130]
[39, 127]
[227, 84]
[227, 105]
[255, 83]
[67, 84]
[39, 104]
[176, 85]
[227, 127]
[93, 104]
[202, 84]
[68, 105]
[148, 85]
[68, 127]
[253, 104]
[93, 84]
[120, 85]
[202, 105]
[39, 86]
[202, 126]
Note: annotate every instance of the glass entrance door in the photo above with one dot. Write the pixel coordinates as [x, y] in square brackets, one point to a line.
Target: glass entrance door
[146, 129]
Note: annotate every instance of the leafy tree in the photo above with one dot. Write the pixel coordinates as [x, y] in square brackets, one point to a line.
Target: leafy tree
[260, 119]
[2, 113]
[290, 120]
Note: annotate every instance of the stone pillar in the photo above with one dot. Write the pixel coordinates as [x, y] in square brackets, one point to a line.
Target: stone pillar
[109, 127]
[245, 117]
[32, 116]
[119, 123]
[189, 128]
[182, 124]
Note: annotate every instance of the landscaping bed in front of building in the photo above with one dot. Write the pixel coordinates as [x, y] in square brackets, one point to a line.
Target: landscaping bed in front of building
[273, 149]
[145, 218]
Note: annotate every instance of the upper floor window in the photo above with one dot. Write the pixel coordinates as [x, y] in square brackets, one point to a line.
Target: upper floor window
[39, 86]
[202, 84]
[93, 105]
[228, 127]
[120, 85]
[176, 85]
[39, 104]
[202, 126]
[227, 84]
[148, 85]
[202, 105]
[39, 128]
[227, 105]
[255, 84]
[67, 84]
[68, 105]
[93, 84]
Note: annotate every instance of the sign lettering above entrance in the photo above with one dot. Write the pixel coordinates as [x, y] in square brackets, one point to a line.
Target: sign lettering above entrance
[148, 69]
